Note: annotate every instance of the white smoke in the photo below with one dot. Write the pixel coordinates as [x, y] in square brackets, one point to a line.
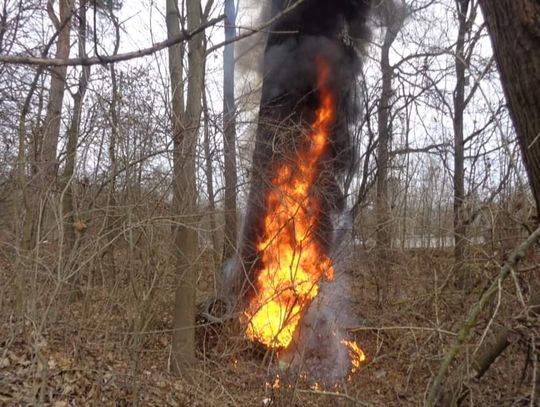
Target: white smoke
[318, 349]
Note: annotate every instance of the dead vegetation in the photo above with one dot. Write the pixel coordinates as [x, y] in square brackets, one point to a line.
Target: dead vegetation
[111, 345]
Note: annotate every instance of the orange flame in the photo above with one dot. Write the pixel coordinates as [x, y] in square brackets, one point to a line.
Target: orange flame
[292, 259]
[356, 354]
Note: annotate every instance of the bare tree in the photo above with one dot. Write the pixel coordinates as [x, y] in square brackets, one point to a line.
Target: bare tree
[46, 143]
[209, 174]
[229, 132]
[459, 149]
[70, 225]
[393, 15]
[185, 131]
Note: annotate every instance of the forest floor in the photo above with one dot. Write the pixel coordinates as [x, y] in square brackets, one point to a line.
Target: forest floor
[111, 346]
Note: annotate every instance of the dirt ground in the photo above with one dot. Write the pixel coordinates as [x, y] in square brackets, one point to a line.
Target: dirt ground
[111, 345]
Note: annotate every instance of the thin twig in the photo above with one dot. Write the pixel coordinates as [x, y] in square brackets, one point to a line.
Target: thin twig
[408, 328]
[335, 394]
[534, 372]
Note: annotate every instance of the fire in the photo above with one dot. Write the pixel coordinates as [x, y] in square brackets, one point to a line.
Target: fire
[355, 353]
[292, 259]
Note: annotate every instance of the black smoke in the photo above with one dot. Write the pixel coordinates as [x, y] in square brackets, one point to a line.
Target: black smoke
[335, 31]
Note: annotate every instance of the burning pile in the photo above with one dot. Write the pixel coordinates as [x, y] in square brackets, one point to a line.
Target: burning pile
[292, 294]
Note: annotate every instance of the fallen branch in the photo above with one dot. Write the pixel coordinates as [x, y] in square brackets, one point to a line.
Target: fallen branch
[406, 328]
[490, 352]
[470, 322]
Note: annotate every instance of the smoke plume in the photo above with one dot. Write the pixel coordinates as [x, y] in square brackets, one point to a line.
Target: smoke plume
[335, 31]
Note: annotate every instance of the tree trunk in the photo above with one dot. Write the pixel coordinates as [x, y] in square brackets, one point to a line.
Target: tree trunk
[110, 215]
[460, 230]
[209, 174]
[514, 28]
[69, 225]
[229, 140]
[46, 165]
[392, 15]
[185, 128]
[382, 200]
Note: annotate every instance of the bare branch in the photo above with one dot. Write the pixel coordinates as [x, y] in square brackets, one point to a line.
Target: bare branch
[96, 60]
[253, 31]
[425, 149]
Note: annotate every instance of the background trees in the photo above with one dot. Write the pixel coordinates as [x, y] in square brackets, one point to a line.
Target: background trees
[121, 183]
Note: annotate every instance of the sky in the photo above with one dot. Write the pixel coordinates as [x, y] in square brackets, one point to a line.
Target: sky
[143, 24]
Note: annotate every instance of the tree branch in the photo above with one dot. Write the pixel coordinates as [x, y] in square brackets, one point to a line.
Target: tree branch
[185, 36]
[425, 149]
[253, 31]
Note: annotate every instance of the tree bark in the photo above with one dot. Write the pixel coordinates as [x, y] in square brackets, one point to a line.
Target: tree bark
[514, 28]
[24, 211]
[382, 200]
[460, 229]
[209, 173]
[69, 219]
[393, 16]
[45, 146]
[110, 215]
[185, 129]
[229, 139]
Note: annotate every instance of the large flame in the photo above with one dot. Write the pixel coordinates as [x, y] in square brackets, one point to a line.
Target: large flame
[292, 259]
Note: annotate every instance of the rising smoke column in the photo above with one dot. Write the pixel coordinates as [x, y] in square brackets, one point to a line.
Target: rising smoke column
[332, 31]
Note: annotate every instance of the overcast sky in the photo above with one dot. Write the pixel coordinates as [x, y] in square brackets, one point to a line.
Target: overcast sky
[143, 23]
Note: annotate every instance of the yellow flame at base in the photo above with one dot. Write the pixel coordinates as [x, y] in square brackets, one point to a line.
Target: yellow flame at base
[292, 259]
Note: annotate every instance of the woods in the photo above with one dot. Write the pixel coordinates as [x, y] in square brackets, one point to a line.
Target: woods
[152, 155]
